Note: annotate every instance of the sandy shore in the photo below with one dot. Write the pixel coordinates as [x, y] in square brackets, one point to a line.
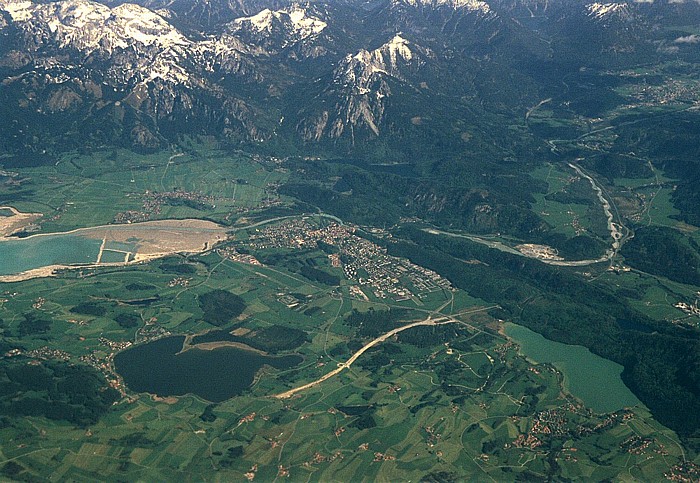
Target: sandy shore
[16, 222]
[48, 271]
[210, 346]
[151, 240]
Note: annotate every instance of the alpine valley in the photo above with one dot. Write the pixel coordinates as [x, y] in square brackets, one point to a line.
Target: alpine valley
[317, 240]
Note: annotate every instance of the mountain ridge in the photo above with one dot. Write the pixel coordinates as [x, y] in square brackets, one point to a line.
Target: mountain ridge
[240, 77]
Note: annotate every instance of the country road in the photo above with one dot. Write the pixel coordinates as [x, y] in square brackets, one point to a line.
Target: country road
[442, 320]
[365, 348]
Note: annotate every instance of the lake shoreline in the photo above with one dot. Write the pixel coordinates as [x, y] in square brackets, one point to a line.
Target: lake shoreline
[15, 223]
[44, 254]
[592, 379]
[168, 367]
[210, 346]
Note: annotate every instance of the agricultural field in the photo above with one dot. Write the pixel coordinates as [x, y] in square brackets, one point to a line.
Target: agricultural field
[414, 241]
[121, 186]
[569, 205]
[657, 297]
[358, 396]
[432, 401]
[647, 201]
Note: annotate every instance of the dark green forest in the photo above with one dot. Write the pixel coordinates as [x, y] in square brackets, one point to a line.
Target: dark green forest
[220, 306]
[56, 390]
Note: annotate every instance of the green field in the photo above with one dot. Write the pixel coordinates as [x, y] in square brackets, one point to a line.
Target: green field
[79, 191]
[569, 218]
[468, 407]
[454, 401]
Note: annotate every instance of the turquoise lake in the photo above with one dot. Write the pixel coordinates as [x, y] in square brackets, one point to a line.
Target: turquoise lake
[594, 380]
[19, 255]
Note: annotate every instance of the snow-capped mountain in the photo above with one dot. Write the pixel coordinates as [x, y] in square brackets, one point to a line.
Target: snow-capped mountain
[360, 70]
[92, 32]
[360, 87]
[274, 30]
[362, 82]
[124, 62]
[471, 5]
[328, 72]
[88, 26]
[294, 22]
[205, 15]
[604, 10]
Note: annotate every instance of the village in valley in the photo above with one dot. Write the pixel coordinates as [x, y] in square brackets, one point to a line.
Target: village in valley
[368, 267]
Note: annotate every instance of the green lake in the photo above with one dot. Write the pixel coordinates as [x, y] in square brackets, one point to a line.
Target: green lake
[594, 380]
[160, 368]
[22, 254]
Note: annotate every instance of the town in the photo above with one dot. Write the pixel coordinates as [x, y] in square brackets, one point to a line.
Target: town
[363, 262]
[153, 202]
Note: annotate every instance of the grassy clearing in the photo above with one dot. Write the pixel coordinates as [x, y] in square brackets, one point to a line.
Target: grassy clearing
[572, 217]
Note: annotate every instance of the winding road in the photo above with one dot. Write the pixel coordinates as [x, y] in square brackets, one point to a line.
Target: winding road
[442, 320]
[346, 365]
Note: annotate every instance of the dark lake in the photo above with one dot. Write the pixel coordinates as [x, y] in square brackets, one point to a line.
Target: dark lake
[214, 375]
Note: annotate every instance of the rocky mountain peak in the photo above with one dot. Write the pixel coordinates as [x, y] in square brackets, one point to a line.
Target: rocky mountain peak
[278, 28]
[470, 5]
[358, 69]
[602, 11]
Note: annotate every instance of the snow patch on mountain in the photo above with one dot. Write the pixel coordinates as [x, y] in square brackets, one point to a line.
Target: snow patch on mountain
[146, 27]
[605, 10]
[19, 11]
[167, 70]
[397, 48]
[357, 70]
[296, 21]
[471, 5]
[688, 39]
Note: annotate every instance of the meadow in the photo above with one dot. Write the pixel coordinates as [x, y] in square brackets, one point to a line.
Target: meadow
[91, 190]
